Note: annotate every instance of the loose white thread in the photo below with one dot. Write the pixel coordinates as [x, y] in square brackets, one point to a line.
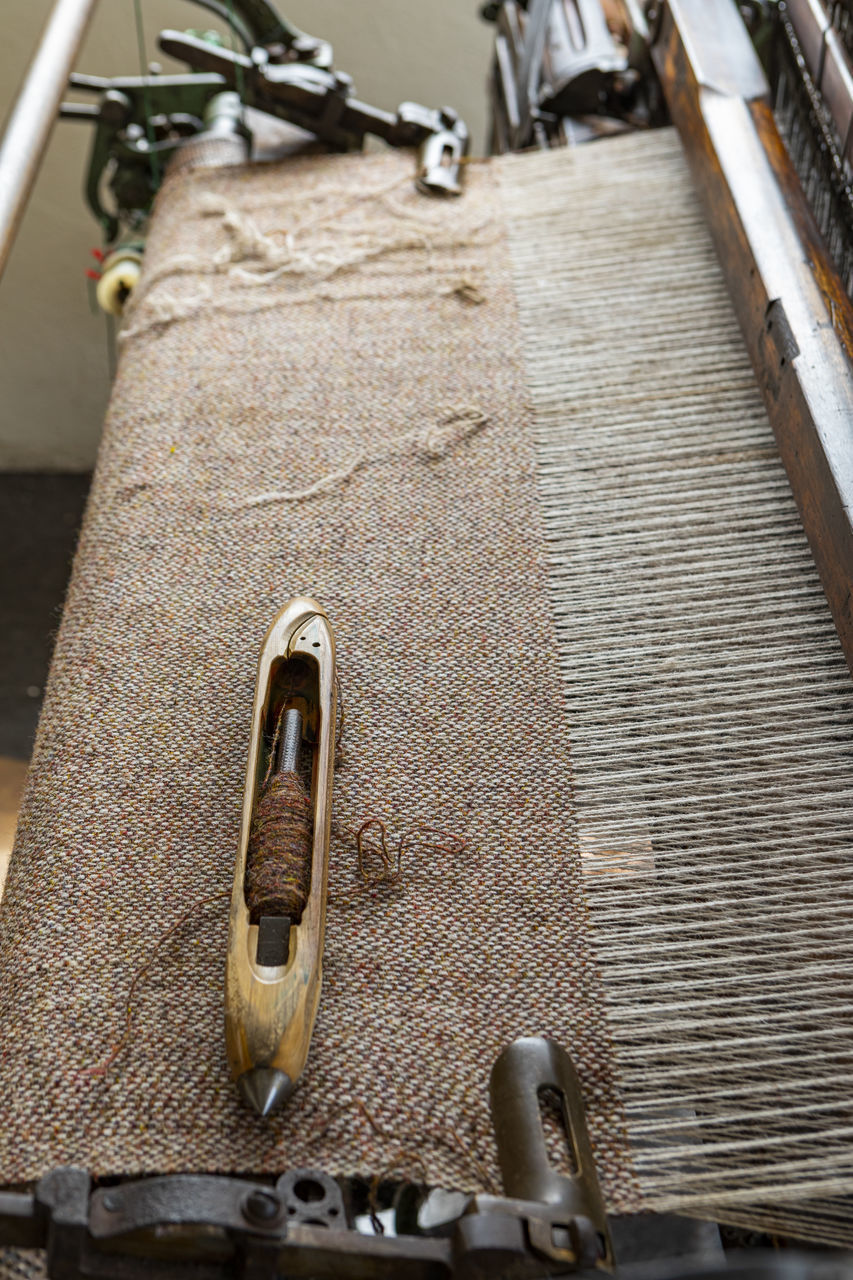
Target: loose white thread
[257, 258]
[166, 310]
[433, 442]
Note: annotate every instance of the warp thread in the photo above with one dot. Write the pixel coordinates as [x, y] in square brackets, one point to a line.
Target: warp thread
[433, 442]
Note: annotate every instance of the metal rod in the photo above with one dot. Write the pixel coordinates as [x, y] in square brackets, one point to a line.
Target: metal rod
[79, 111]
[35, 111]
[291, 739]
[92, 84]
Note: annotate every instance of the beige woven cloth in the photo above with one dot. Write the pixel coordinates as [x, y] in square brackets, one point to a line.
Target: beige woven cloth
[514, 445]
[364, 348]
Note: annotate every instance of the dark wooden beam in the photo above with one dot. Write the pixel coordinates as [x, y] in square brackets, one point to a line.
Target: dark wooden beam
[795, 315]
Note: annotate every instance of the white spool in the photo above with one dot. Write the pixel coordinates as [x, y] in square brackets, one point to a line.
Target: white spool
[118, 279]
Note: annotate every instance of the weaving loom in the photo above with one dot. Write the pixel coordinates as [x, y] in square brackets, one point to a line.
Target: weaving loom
[593, 689]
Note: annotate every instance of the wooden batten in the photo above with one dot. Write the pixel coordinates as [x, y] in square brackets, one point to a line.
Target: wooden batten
[792, 307]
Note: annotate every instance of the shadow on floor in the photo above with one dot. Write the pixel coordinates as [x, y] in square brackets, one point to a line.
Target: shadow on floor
[40, 519]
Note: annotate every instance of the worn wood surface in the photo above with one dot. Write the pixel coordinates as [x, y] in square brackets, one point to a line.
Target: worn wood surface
[795, 316]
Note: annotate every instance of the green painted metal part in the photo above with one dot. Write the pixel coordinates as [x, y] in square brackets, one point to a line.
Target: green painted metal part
[176, 105]
[144, 119]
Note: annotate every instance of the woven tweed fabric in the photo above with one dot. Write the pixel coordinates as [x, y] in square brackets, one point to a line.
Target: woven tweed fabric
[357, 330]
[710, 706]
[671, 906]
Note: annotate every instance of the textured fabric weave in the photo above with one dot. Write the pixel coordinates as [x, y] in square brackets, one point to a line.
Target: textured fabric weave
[540, 526]
[429, 560]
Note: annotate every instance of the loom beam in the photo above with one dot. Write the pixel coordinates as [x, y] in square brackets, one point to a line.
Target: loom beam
[796, 318]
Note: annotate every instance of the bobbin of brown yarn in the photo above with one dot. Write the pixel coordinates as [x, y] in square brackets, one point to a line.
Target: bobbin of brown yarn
[274, 968]
[278, 864]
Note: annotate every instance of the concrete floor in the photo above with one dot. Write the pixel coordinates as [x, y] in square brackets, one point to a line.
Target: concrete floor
[39, 521]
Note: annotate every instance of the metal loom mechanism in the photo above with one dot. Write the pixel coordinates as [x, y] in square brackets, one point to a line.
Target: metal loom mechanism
[141, 122]
[306, 1223]
[569, 71]
[561, 75]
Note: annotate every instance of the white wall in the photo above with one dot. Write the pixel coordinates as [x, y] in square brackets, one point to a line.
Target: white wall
[53, 352]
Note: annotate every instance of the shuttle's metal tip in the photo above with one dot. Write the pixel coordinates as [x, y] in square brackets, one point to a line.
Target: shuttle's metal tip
[265, 1089]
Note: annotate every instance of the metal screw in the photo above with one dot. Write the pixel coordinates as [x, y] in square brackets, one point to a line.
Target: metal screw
[290, 740]
[654, 18]
[261, 1206]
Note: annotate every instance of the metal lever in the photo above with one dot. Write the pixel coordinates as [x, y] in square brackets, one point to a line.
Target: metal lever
[322, 101]
[575, 1233]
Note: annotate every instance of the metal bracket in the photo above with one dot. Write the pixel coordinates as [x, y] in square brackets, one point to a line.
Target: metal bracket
[141, 121]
